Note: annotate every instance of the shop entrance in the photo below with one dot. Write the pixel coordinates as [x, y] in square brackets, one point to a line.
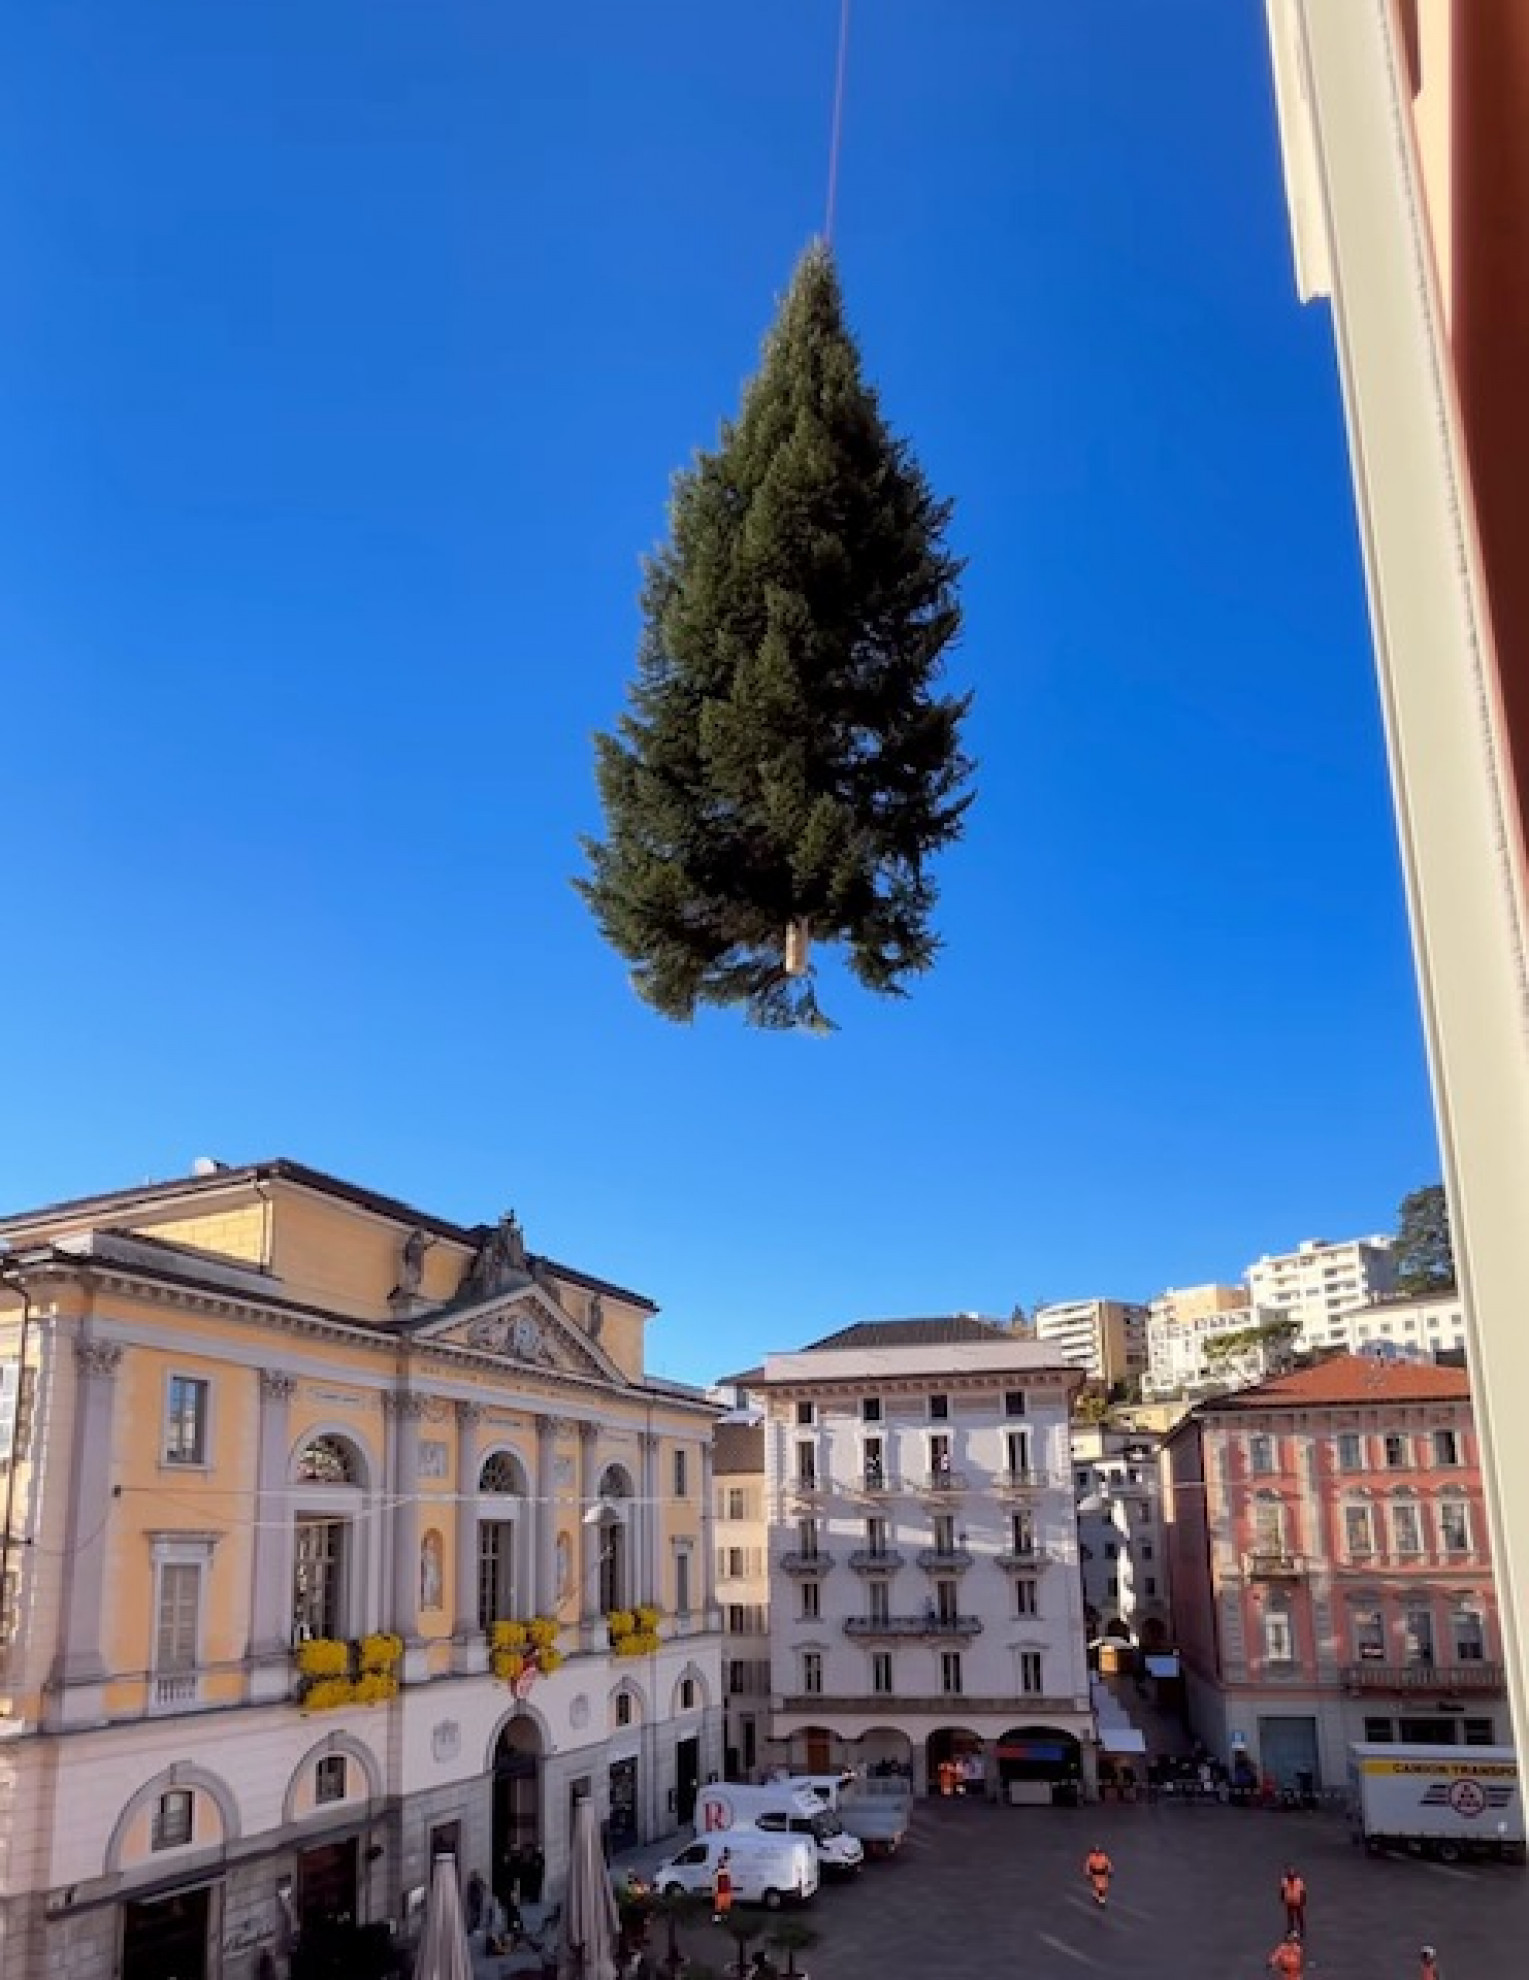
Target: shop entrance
[687, 1778]
[624, 1826]
[326, 1888]
[518, 1858]
[166, 1938]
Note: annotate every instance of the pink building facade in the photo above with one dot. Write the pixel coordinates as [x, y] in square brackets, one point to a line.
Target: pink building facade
[1331, 1570]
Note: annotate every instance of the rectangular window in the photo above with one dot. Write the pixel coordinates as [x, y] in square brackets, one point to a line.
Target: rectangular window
[737, 1502]
[1144, 1548]
[878, 1601]
[950, 1673]
[186, 1420]
[811, 1599]
[1480, 1732]
[1114, 1584]
[945, 1533]
[1261, 1453]
[1350, 1451]
[1031, 1673]
[1406, 1528]
[876, 1536]
[1446, 1447]
[1369, 1636]
[496, 1571]
[1380, 1732]
[872, 1462]
[1013, 1402]
[1022, 1532]
[682, 1582]
[329, 1778]
[806, 1414]
[1455, 1526]
[1024, 1597]
[1279, 1637]
[881, 1673]
[1396, 1452]
[1149, 1587]
[812, 1673]
[175, 1627]
[681, 1474]
[807, 1536]
[870, 1409]
[939, 1457]
[1358, 1532]
[1470, 1637]
[947, 1600]
[172, 1824]
[318, 1579]
[1417, 1631]
[737, 1562]
[807, 1465]
[1016, 1451]
[939, 1408]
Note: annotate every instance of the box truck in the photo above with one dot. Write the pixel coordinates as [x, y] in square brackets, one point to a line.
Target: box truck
[1443, 1801]
[779, 1809]
[876, 1810]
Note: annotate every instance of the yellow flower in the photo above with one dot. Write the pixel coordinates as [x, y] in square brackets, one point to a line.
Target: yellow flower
[323, 1657]
[647, 1619]
[508, 1665]
[381, 1652]
[549, 1661]
[328, 1694]
[620, 1622]
[508, 1636]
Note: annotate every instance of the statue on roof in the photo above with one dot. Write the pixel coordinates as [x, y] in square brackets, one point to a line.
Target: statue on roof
[500, 1262]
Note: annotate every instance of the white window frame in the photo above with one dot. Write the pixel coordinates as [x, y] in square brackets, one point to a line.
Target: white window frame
[184, 1798]
[1279, 1635]
[179, 1689]
[331, 1761]
[202, 1462]
[1463, 1506]
[1401, 1506]
[1349, 1508]
[881, 1662]
[1026, 1595]
[812, 1673]
[1031, 1666]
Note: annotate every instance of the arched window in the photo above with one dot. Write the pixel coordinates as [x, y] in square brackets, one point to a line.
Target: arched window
[328, 1461]
[500, 1475]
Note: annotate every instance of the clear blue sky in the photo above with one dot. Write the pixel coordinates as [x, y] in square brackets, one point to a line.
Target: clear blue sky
[346, 352]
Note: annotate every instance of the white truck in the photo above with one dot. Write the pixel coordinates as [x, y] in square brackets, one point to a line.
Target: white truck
[779, 1809]
[1442, 1801]
[874, 1809]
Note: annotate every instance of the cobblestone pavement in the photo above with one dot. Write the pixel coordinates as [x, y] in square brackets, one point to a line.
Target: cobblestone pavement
[984, 1891]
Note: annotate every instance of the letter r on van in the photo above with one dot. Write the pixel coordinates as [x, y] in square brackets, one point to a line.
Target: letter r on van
[718, 1815]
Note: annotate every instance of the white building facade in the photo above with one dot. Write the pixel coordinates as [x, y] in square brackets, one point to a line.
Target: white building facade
[1320, 1281]
[1420, 1327]
[1121, 1539]
[1183, 1331]
[743, 1588]
[1105, 1338]
[923, 1557]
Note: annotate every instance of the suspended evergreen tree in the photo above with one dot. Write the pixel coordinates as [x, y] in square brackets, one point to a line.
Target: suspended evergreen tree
[787, 766]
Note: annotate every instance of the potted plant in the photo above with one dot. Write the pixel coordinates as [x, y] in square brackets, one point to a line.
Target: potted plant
[791, 1936]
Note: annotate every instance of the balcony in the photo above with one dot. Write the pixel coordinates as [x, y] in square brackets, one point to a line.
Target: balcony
[1023, 1560]
[1274, 1566]
[1435, 1679]
[175, 1691]
[875, 1484]
[944, 1560]
[928, 1626]
[811, 1487]
[876, 1560]
[944, 1480]
[813, 1563]
[1020, 1484]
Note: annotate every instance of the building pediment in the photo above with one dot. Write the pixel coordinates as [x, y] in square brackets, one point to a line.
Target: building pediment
[525, 1326]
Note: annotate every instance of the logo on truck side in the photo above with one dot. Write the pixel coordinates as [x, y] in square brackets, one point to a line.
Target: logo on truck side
[718, 1814]
[1466, 1797]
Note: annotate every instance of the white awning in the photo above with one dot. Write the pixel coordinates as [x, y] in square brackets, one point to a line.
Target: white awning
[1122, 1739]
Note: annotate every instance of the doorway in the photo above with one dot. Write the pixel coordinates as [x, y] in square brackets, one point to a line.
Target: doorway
[623, 1821]
[517, 1809]
[166, 1938]
[326, 1887]
[1287, 1749]
[819, 1745]
[687, 1778]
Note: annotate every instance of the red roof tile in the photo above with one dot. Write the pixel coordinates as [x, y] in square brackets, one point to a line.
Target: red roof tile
[1348, 1378]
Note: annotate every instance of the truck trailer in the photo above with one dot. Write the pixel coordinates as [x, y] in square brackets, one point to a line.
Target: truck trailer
[1440, 1801]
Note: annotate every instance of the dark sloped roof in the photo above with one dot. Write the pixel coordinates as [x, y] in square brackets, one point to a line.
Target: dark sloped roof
[912, 1333]
[737, 1447]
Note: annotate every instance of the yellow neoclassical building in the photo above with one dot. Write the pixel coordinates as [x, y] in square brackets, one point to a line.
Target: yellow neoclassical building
[334, 1533]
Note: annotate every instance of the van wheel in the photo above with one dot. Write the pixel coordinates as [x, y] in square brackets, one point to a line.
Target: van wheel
[674, 1890]
[772, 1899]
[1449, 1852]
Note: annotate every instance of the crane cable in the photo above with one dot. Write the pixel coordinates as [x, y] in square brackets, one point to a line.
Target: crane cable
[836, 128]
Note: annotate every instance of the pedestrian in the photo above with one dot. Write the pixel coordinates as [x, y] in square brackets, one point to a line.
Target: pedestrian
[1428, 1961]
[722, 1889]
[1292, 1895]
[1288, 1958]
[1098, 1869]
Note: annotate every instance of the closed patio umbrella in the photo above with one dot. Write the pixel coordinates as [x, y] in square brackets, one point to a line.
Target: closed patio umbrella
[587, 1938]
[443, 1951]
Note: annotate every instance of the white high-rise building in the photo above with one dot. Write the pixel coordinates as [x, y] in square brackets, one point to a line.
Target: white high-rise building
[1106, 1338]
[1423, 1327]
[924, 1556]
[1319, 1281]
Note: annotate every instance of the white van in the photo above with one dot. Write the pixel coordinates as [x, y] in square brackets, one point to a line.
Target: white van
[779, 1808]
[767, 1870]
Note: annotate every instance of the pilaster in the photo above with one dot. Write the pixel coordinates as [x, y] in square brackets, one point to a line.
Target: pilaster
[80, 1674]
[406, 1408]
[469, 1651]
[270, 1646]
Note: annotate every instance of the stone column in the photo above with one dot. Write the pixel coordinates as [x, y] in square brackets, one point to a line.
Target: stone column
[80, 1673]
[406, 1409]
[469, 1650]
[270, 1639]
[545, 1544]
[592, 1537]
[646, 1578]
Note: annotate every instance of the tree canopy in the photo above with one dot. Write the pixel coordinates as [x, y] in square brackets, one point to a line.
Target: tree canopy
[1424, 1251]
[786, 765]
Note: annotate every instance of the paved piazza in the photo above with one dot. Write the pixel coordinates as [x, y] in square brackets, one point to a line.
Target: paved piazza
[987, 1891]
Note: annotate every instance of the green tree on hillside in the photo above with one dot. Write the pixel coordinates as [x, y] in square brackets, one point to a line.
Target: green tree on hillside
[786, 765]
[1425, 1252]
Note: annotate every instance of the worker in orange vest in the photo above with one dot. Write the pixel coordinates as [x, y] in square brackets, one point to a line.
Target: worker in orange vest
[722, 1889]
[1098, 1869]
[1429, 1962]
[1292, 1895]
[1287, 1958]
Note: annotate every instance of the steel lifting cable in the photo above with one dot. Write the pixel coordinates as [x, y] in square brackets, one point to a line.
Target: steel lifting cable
[836, 128]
